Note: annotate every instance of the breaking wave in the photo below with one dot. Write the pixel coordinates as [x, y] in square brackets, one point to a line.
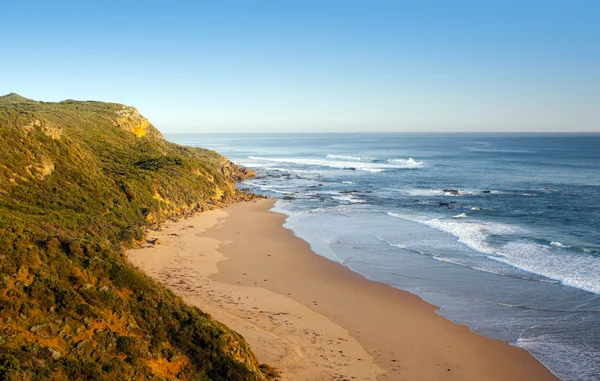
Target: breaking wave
[577, 270]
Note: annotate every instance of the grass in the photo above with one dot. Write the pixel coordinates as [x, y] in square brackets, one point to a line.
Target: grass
[79, 182]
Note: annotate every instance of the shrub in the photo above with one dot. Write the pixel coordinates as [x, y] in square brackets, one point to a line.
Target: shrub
[76, 186]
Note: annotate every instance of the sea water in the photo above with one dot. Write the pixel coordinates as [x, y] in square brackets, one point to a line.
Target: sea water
[501, 232]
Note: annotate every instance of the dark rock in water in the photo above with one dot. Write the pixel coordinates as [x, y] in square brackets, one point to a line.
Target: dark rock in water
[453, 202]
[487, 191]
[351, 168]
[320, 185]
[452, 191]
[289, 198]
[444, 204]
[350, 191]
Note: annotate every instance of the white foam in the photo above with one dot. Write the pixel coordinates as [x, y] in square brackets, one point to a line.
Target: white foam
[410, 162]
[473, 234]
[423, 192]
[349, 198]
[557, 244]
[462, 262]
[459, 193]
[362, 166]
[406, 217]
[272, 188]
[475, 208]
[342, 157]
[462, 215]
[578, 271]
[563, 355]
[346, 182]
[575, 270]
[252, 164]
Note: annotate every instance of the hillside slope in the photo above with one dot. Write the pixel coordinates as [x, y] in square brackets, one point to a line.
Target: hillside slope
[79, 181]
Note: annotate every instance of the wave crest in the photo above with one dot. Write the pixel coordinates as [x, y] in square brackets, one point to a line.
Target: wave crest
[570, 269]
[373, 167]
[410, 162]
[343, 157]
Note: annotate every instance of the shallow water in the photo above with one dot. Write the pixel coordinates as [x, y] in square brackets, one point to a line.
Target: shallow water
[501, 232]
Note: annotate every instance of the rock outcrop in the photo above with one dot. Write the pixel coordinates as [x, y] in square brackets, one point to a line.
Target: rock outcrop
[79, 182]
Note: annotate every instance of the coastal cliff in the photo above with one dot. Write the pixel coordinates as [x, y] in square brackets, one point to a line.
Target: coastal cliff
[79, 182]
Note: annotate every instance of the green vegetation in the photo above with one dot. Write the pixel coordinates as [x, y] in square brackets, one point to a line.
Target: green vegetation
[79, 182]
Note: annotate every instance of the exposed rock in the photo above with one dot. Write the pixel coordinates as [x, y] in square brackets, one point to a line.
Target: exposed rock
[53, 132]
[236, 172]
[54, 353]
[36, 328]
[41, 169]
[487, 191]
[101, 164]
[130, 119]
[34, 123]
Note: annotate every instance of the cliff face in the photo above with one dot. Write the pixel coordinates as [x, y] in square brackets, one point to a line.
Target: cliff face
[78, 182]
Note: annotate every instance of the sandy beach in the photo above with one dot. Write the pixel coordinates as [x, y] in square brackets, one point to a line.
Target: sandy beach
[311, 318]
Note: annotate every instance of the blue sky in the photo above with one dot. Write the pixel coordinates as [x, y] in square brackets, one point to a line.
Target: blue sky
[263, 66]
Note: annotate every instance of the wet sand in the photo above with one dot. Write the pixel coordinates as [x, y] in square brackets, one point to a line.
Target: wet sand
[312, 318]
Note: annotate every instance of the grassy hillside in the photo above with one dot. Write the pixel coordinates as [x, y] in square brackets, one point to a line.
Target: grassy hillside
[79, 181]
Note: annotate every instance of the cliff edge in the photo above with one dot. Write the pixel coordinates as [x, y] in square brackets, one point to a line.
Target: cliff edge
[79, 182]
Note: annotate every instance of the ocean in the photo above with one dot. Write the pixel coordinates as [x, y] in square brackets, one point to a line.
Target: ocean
[502, 232]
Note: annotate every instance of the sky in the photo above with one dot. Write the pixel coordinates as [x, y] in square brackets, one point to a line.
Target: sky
[315, 66]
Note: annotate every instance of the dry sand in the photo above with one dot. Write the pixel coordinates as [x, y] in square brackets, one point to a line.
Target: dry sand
[311, 318]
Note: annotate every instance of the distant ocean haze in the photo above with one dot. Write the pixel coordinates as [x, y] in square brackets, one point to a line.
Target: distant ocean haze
[501, 232]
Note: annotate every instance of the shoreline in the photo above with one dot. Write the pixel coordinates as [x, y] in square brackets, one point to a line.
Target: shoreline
[313, 318]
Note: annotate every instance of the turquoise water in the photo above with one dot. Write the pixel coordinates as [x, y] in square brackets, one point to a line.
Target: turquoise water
[501, 232]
